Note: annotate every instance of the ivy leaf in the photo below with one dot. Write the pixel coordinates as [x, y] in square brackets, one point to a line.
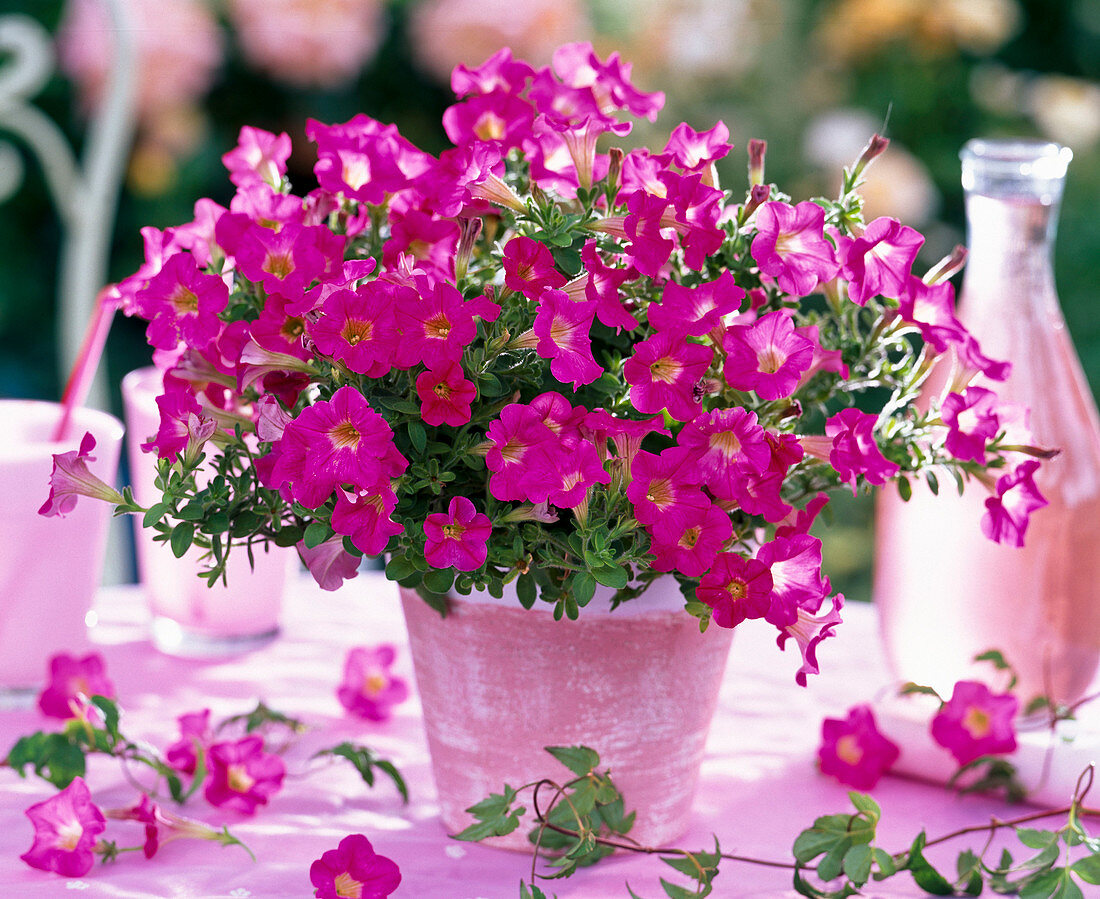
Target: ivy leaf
[364, 760]
[579, 759]
[495, 817]
[928, 878]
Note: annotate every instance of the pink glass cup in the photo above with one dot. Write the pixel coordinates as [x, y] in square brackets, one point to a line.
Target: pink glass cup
[50, 568]
[188, 617]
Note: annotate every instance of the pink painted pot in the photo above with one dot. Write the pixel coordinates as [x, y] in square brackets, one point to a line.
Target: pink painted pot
[49, 567]
[499, 683]
[190, 618]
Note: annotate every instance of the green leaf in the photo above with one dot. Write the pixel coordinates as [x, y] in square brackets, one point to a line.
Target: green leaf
[857, 864]
[154, 514]
[911, 689]
[905, 490]
[526, 590]
[866, 806]
[579, 759]
[55, 758]
[927, 878]
[316, 533]
[439, 580]
[288, 536]
[399, 567]
[182, 535]
[365, 761]
[1088, 868]
[584, 587]
[111, 715]
[613, 576]
[418, 437]
[1036, 839]
[532, 892]
[675, 892]
[969, 868]
[885, 862]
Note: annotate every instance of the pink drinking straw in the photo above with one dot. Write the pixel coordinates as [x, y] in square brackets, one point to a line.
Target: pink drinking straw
[87, 360]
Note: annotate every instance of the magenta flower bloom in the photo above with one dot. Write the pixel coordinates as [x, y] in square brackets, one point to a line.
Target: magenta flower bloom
[195, 735]
[457, 538]
[259, 155]
[184, 428]
[578, 467]
[1007, 514]
[369, 690]
[342, 441]
[795, 565]
[665, 486]
[329, 563]
[358, 328]
[242, 776]
[603, 285]
[354, 869]
[562, 327]
[65, 830]
[71, 478]
[971, 419]
[663, 372]
[791, 246]
[529, 268]
[163, 827]
[182, 303]
[436, 323]
[809, 627]
[689, 543]
[645, 226]
[695, 310]
[854, 449]
[736, 588]
[976, 722]
[72, 682]
[880, 261]
[768, 356]
[445, 395]
[728, 444]
[697, 151]
[853, 751]
[522, 458]
[365, 517]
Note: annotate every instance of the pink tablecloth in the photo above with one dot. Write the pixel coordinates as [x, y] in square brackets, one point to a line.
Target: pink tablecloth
[759, 785]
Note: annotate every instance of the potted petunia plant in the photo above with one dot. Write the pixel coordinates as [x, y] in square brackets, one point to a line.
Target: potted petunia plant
[542, 364]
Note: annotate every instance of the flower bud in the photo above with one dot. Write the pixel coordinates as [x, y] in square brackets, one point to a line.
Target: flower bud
[876, 146]
[757, 149]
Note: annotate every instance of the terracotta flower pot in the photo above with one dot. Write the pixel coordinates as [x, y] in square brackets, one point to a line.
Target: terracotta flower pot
[499, 683]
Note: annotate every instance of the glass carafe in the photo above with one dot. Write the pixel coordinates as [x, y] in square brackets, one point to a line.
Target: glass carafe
[946, 593]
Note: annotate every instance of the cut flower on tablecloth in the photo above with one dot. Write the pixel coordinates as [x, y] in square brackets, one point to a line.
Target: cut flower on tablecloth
[541, 358]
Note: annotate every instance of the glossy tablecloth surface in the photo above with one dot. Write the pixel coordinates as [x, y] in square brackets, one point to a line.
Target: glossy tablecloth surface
[758, 788]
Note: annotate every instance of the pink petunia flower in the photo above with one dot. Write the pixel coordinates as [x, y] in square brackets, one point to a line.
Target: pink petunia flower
[65, 829]
[329, 563]
[354, 869]
[689, 543]
[728, 444]
[194, 729]
[72, 682]
[181, 303]
[562, 327]
[71, 478]
[854, 751]
[445, 395]
[665, 486]
[976, 722]
[880, 261]
[259, 155]
[736, 589]
[369, 690]
[791, 246]
[242, 776]
[645, 225]
[163, 827]
[457, 538]
[695, 310]
[850, 447]
[521, 460]
[364, 516]
[1007, 514]
[809, 628]
[768, 356]
[602, 285]
[971, 418]
[663, 372]
[529, 268]
[358, 327]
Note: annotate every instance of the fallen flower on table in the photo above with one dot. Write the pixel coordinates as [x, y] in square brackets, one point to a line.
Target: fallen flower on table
[242, 776]
[354, 869]
[73, 681]
[854, 751]
[976, 722]
[369, 690]
[65, 829]
[163, 827]
[195, 736]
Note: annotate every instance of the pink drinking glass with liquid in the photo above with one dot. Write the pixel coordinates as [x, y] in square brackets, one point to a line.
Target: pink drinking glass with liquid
[50, 567]
[945, 592]
[188, 617]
